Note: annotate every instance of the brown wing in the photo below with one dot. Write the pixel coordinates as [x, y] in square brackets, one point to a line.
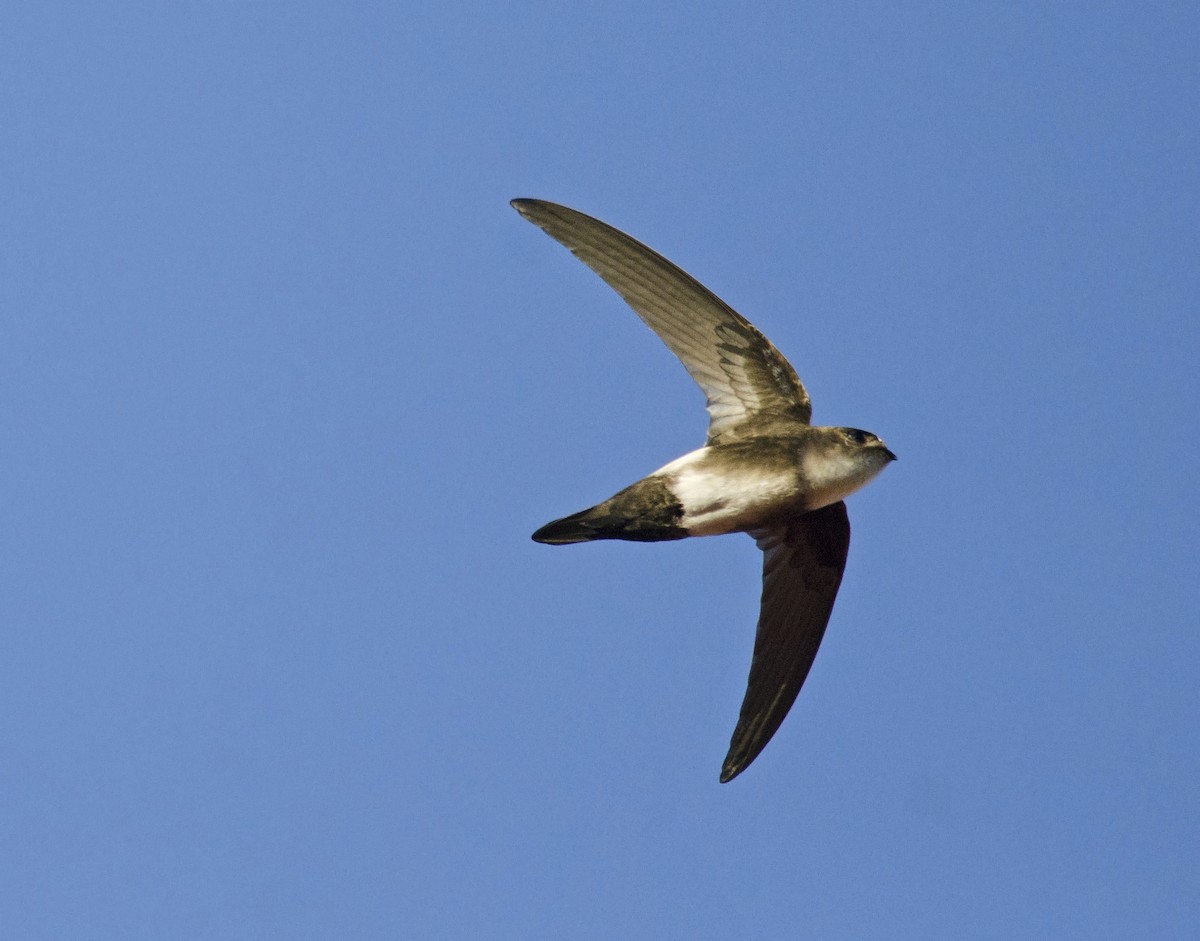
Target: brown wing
[751, 389]
[803, 564]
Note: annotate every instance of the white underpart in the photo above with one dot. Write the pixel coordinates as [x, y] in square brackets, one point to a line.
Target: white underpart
[832, 477]
[720, 500]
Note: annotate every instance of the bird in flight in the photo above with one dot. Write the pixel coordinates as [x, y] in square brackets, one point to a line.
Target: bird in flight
[764, 470]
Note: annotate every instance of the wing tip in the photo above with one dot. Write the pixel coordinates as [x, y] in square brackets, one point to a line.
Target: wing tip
[741, 756]
[529, 207]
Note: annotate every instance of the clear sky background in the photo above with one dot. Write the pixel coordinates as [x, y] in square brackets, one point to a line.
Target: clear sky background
[285, 385]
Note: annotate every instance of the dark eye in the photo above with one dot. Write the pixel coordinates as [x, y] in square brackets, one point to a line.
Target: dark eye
[861, 437]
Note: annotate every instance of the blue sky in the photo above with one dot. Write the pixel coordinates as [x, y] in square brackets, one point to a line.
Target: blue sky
[285, 385]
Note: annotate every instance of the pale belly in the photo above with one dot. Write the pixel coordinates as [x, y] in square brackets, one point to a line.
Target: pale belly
[719, 499]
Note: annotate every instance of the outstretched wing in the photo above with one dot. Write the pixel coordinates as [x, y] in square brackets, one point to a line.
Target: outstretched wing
[803, 563]
[751, 389]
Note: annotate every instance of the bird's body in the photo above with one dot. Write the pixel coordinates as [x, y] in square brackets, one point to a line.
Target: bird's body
[765, 470]
[731, 488]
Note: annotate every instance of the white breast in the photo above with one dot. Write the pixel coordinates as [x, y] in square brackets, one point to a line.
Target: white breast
[725, 500]
[832, 477]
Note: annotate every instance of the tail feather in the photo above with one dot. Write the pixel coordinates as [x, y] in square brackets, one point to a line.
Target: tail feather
[569, 529]
[647, 511]
[612, 520]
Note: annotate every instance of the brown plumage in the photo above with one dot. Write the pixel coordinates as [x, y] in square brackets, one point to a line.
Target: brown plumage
[764, 470]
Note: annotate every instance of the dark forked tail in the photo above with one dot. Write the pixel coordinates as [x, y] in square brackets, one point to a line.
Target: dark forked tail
[569, 529]
[645, 512]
